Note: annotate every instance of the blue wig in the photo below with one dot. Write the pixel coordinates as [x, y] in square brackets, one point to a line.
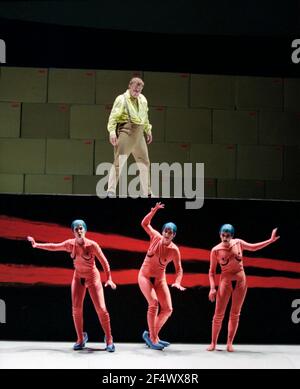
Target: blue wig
[227, 228]
[170, 225]
[78, 222]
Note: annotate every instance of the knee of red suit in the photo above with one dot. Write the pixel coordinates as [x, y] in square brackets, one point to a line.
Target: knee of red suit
[78, 222]
[167, 311]
[153, 304]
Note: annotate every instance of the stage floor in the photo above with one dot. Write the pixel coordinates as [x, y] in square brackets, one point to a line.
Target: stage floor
[59, 355]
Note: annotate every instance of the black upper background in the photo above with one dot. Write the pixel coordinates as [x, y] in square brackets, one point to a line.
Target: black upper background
[216, 37]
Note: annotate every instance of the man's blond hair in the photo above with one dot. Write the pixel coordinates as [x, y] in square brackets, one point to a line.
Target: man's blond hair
[136, 80]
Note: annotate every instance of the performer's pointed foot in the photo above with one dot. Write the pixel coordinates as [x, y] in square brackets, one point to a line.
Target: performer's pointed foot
[211, 347]
[230, 348]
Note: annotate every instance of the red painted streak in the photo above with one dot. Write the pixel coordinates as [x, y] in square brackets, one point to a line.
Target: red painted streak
[273, 264]
[32, 275]
[15, 228]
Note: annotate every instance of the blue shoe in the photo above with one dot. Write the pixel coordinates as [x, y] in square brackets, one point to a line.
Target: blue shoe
[110, 348]
[154, 346]
[80, 346]
[162, 342]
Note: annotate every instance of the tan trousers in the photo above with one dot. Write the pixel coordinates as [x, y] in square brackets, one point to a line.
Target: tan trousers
[131, 140]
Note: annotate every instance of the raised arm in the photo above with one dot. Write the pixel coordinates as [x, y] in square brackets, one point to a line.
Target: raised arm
[105, 265]
[179, 271]
[212, 276]
[147, 219]
[260, 245]
[63, 246]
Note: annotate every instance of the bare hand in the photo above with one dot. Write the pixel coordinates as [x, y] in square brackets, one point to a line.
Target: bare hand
[111, 284]
[178, 286]
[157, 207]
[273, 235]
[113, 139]
[212, 295]
[148, 139]
[31, 240]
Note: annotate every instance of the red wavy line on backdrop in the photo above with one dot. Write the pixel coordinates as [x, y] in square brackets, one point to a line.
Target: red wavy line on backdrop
[15, 228]
[62, 277]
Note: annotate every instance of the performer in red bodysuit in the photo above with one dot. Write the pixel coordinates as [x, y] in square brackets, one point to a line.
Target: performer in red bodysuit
[86, 276]
[229, 254]
[152, 277]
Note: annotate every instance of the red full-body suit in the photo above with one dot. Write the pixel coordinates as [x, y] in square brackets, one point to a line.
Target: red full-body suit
[152, 278]
[230, 259]
[86, 276]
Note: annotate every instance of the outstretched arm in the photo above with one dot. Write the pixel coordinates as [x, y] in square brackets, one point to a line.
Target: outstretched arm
[104, 263]
[179, 272]
[63, 246]
[260, 245]
[212, 275]
[147, 219]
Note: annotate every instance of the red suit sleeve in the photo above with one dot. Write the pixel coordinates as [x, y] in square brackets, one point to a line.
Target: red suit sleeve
[178, 267]
[102, 259]
[147, 226]
[63, 246]
[254, 246]
[212, 269]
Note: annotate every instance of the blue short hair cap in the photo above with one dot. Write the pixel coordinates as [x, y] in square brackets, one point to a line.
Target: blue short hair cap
[170, 225]
[227, 228]
[78, 222]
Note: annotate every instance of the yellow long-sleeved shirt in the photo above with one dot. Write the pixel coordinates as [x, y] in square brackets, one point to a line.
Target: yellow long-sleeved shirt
[138, 112]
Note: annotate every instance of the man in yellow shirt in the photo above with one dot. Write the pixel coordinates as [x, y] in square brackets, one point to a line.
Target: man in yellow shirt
[127, 123]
